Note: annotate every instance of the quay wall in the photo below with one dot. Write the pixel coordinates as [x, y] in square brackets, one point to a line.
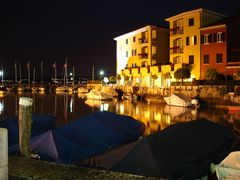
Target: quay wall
[210, 94]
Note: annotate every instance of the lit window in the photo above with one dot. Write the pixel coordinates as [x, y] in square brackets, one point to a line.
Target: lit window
[206, 59]
[193, 40]
[206, 38]
[220, 37]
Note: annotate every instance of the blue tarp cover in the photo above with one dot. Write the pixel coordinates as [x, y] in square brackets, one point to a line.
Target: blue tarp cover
[86, 137]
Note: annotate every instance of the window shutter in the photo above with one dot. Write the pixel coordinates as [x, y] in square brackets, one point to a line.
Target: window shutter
[202, 39]
[210, 38]
[215, 37]
[223, 36]
[195, 40]
[187, 41]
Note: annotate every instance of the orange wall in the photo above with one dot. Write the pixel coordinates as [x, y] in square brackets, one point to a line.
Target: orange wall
[212, 49]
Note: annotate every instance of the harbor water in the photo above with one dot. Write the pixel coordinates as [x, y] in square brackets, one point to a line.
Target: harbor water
[156, 116]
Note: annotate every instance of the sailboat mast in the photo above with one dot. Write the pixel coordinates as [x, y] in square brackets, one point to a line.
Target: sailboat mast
[92, 74]
[20, 72]
[15, 68]
[41, 72]
[28, 67]
[66, 76]
[34, 75]
[55, 66]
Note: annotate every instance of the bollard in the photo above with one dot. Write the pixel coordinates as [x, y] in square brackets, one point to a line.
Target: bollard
[3, 154]
[25, 125]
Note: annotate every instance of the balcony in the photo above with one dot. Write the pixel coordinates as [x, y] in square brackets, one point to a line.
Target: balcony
[143, 55]
[142, 40]
[176, 31]
[176, 49]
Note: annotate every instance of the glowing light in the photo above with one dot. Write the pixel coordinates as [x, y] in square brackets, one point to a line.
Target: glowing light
[71, 105]
[1, 73]
[101, 72]
[105, 79]
[1, 107]
[104, 107]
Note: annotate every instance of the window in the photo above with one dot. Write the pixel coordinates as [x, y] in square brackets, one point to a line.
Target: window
[191, 22]
[126, 53]
[134, 39]
[219, 58]
[191, 59]
[207, 38]
[132, 52]
[187, 41]
[220, 36]
[126, 41]
[206, 59]
[191, 40]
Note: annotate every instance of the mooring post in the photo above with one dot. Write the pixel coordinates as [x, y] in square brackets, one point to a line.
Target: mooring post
[25, 125]
[3, 154]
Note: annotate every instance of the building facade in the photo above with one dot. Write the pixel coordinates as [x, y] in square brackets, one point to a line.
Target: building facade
[185, 38]
[220, 47]
[141, 53]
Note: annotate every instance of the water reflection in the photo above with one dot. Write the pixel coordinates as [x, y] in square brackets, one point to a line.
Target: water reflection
[69, 107]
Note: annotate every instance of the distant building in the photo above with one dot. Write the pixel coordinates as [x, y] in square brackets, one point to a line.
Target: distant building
[141, 53]
[220, 47]
[185, 38]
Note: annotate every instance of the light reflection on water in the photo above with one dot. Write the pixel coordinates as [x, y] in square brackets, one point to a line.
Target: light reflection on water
[70, 107]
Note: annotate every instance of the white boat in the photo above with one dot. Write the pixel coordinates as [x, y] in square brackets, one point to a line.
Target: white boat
[62, 89]
[181, 100]
[96, 94]
[109, 90]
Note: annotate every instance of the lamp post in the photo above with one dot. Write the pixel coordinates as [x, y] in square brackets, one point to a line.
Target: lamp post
[101, 73]
[1, 74]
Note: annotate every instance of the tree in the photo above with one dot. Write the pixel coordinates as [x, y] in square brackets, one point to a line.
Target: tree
[182, 73]
[112, 80]
[118, 77]
[211, 75]
[126, 79]
[154, 77]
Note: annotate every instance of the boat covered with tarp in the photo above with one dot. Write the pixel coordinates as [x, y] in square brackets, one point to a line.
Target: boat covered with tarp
[86, 137]
[40, 124]
[184, 150]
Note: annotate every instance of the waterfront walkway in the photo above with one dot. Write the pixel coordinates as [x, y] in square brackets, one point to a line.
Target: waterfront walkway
[21, 168]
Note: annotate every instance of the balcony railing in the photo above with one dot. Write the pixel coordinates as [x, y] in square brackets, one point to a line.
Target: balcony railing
[143, 55]
[176, 30]
[176, 49]
[142, 40]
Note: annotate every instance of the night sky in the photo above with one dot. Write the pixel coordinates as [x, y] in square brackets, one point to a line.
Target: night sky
[48, 31]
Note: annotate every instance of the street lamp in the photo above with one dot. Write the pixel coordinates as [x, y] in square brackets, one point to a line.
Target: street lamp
[101, 73]
[1, 74]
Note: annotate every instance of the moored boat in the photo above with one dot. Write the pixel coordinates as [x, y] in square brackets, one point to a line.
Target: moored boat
[181, 100]
[96, 94]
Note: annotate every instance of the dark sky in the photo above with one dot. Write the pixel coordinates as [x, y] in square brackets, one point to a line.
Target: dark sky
[50, 30]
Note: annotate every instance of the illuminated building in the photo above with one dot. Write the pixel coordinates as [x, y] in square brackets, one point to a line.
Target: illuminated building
[141, 53]
[220, 48]
[185, 38]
